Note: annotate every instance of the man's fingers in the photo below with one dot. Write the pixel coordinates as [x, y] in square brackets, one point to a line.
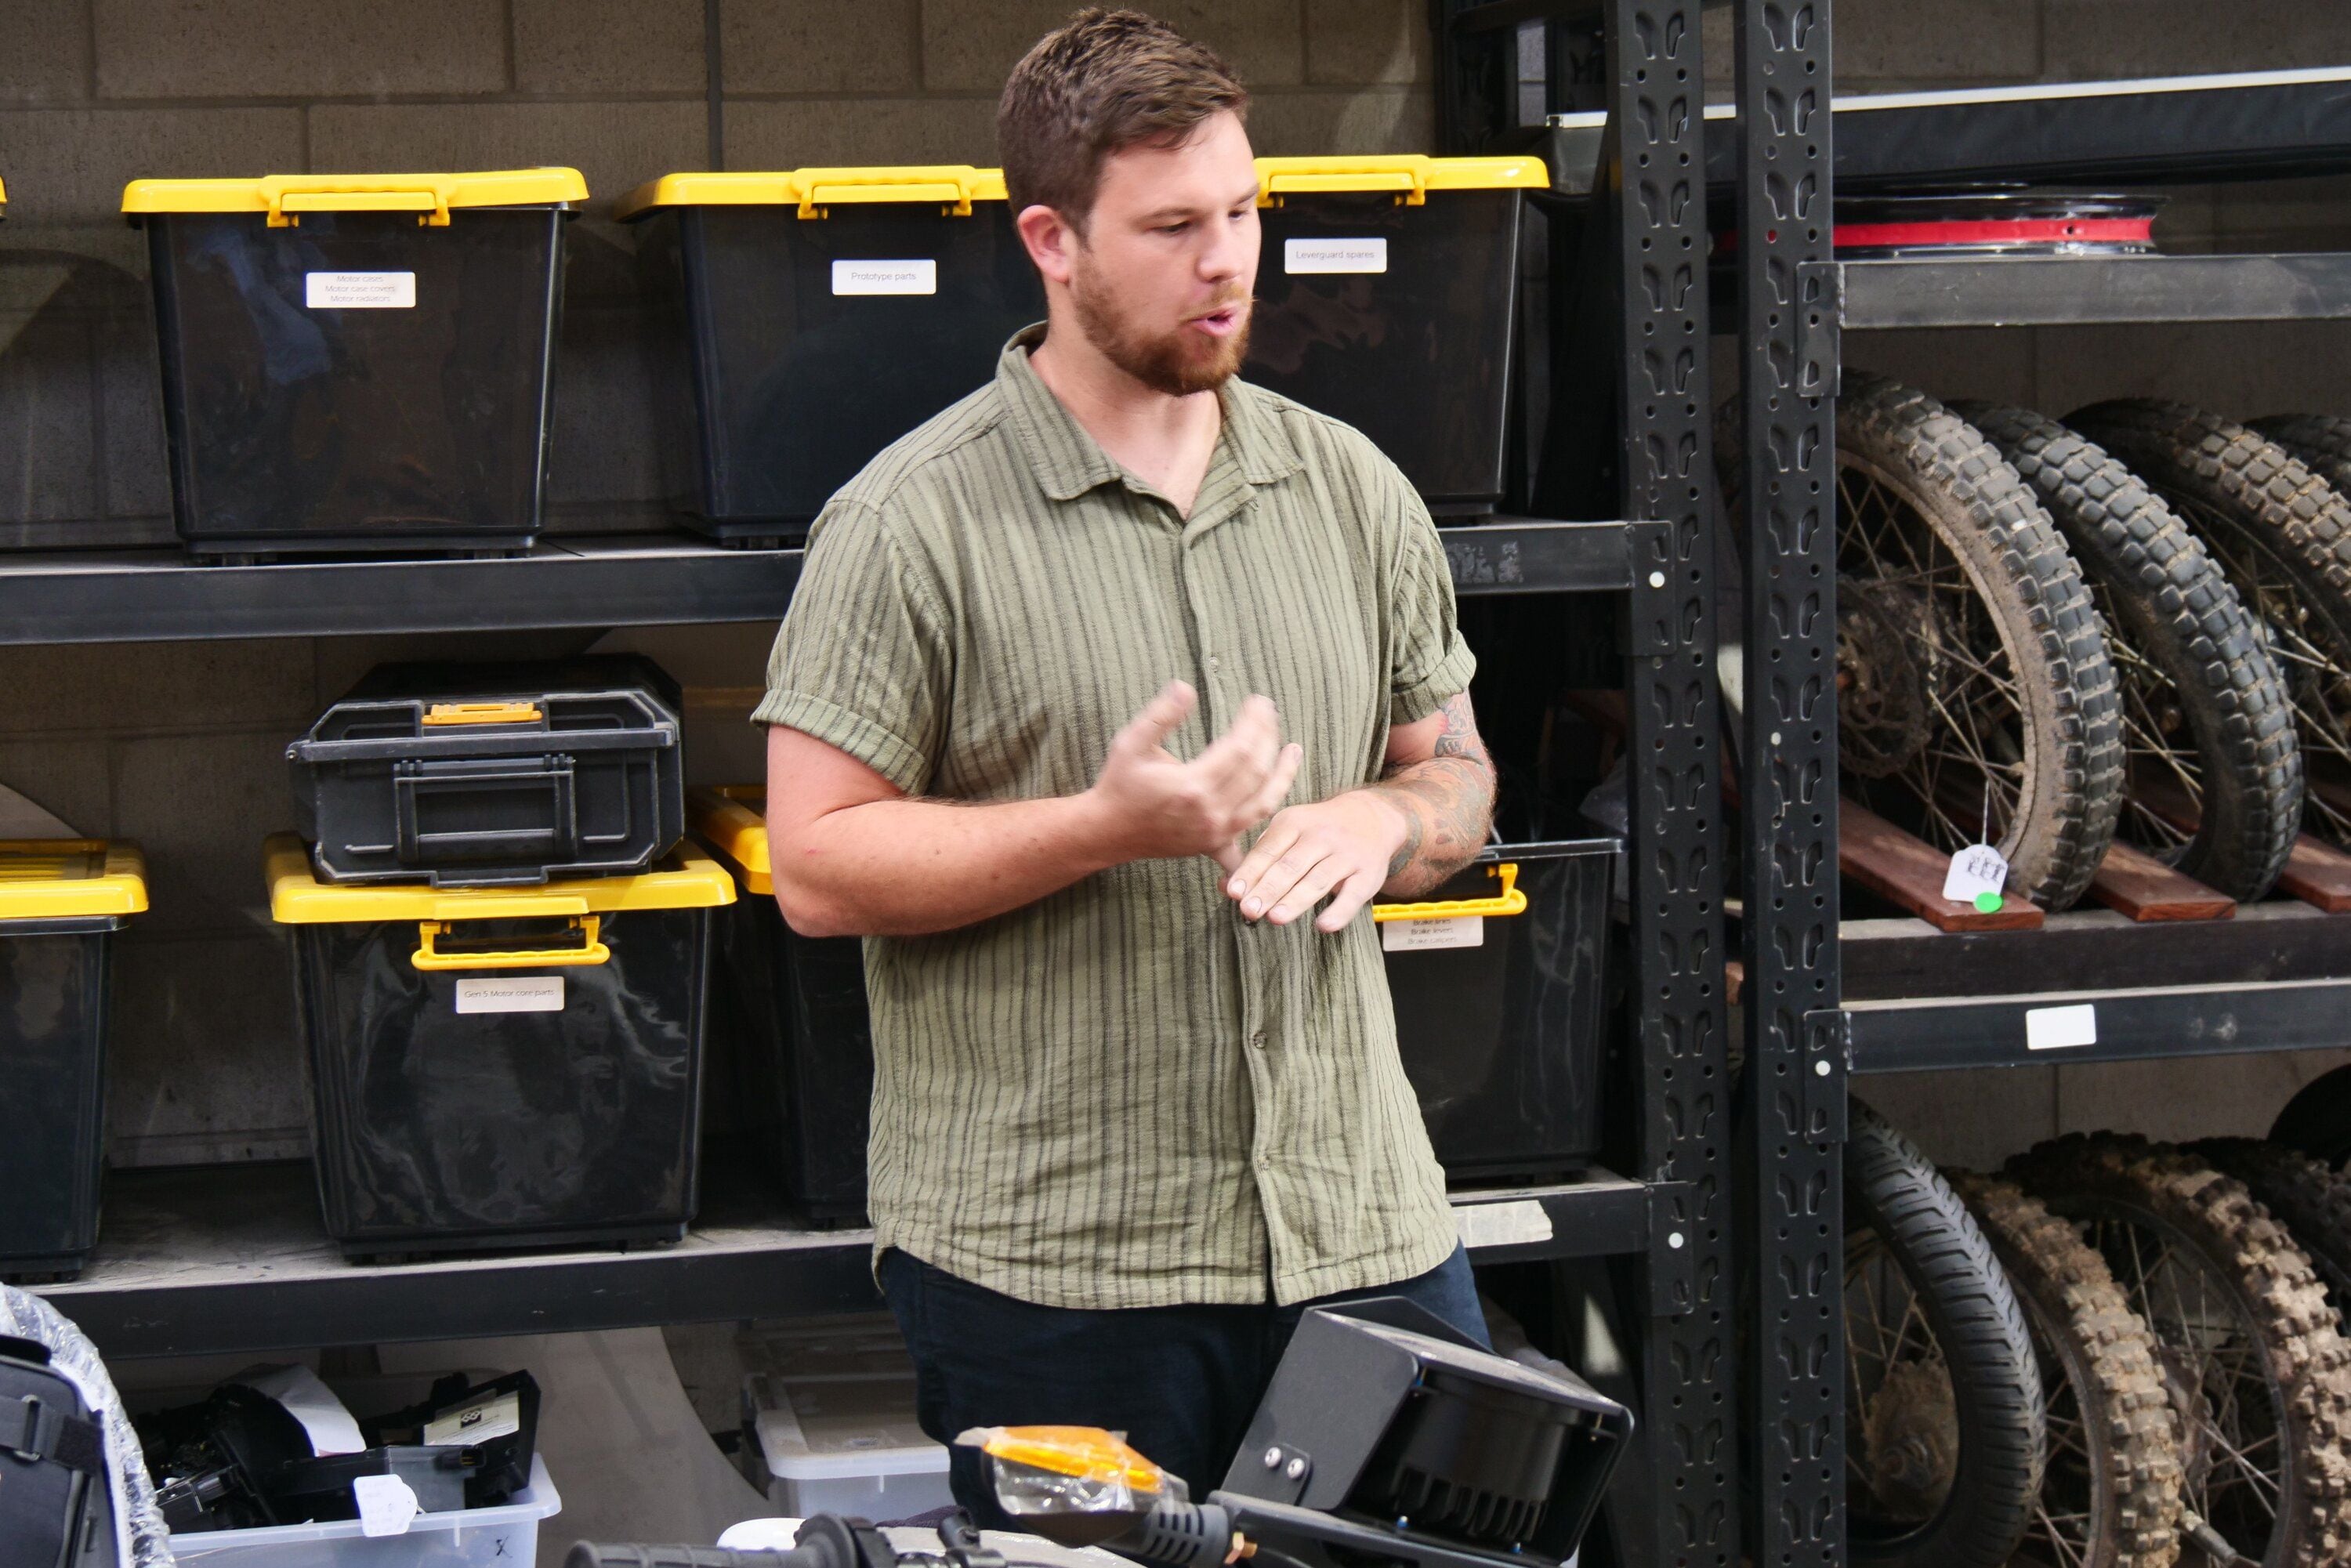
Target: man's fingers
[1277, 837]
[1307, 891]
[1148, 730]
[1267, 800]
[1348, 901]
[1229, 856]
[1234, 765]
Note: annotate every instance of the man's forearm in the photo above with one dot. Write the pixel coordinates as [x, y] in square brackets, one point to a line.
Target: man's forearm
[908, 868]
[1448, 804]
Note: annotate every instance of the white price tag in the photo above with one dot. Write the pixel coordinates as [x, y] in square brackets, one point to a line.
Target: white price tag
[1519, 1223]
[1310, 255]
[359, 291]
[1420, 935]
[1979, 868]
[2060, 1029]
[523, 994]
[912, 277]
[387, 1505]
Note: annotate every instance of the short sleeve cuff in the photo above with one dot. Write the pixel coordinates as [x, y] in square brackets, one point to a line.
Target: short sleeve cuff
[1450, 678]
[882, 751]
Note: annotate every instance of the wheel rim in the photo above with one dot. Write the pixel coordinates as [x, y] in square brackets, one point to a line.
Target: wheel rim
[2070, 1517]
[1975, 751]
[2234, 1454]
[1901, 1410]
[2308, 654]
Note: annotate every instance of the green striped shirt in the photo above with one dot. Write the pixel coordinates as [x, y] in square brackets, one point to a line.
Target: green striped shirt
[1124, 1095]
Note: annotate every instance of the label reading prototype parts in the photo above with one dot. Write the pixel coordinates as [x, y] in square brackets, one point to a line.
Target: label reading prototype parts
[1420, 935]
[920, 276]
[2060, 1029]
[359, 290]
[523, 994]
[1367, 255]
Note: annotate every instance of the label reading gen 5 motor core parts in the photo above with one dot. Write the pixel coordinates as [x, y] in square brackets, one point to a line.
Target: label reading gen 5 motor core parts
[359, 290]
[521, 994]
[910, 276]
[1367, 255]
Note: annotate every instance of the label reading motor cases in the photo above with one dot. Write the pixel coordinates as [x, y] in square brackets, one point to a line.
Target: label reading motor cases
[1419, 936]
[919, 277]
[523, 994]
[359, 290]
[1367, 255]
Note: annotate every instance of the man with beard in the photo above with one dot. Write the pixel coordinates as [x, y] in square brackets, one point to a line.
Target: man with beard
[1137, 1101]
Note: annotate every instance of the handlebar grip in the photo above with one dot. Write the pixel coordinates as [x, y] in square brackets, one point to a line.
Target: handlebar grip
[632, 1554]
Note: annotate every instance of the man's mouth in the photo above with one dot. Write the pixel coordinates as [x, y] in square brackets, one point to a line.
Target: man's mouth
[1218, 323]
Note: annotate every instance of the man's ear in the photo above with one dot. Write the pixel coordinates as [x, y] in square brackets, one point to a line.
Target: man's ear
[1049, 239]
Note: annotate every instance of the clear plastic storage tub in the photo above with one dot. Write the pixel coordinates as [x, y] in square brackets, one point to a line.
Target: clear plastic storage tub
[502, 1537]
[850, 1446]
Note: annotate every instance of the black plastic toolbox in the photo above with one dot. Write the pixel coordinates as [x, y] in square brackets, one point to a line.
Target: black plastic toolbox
[1387, 297]
[60, 903]
[814, 317]
[357, 363]
[1497, 979]
[496, 1068]
[806, 1061]
[494, 775]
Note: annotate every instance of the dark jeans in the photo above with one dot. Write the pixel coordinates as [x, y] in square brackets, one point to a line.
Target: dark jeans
[1180, 1382]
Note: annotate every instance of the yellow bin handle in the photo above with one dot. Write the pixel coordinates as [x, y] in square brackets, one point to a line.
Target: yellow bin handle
[429, 957]
[1510, 900]
[297, 193]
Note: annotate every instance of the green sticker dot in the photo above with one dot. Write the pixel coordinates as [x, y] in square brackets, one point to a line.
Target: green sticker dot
[1987, 903]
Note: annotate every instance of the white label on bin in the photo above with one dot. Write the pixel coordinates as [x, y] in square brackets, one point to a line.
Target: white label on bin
[2060, 1029]
[387, 1504]
[1519, 1223]
[886, 277]
[1419, 936]
[529, 994]
[1369, 254]
[497, 1415]
[359, 291]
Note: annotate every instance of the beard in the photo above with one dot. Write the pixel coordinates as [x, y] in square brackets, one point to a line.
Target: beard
[1179, 363]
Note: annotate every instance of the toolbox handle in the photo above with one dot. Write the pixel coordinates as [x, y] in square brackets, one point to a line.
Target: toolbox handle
[443, 714]
[429, 959]
[951, 185]
[553, 779]
[289, 196]
[1510, 900]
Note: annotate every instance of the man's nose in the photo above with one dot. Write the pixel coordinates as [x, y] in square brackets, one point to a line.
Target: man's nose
[1227, 252]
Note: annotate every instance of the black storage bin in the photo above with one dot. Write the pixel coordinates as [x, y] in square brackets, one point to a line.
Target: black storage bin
[1388, 289]
[357, 363]
[806, 1060]
[60, 902]
[1500, 1035]
[500, 1069]
[494, 775]
[815, 317]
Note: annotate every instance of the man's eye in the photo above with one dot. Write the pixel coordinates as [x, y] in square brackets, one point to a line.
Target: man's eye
[1173, 228]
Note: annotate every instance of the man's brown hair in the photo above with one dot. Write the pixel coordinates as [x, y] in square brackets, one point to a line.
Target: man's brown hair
[1099, 83]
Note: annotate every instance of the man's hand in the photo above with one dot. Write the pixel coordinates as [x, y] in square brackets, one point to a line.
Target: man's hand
[1344, 849]
[1159, 808]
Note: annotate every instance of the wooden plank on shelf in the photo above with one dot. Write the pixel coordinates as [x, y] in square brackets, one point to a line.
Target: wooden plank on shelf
[1908, 872]
[2143, 887]
[2317, 873]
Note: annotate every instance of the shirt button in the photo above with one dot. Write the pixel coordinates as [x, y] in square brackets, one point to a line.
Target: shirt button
[1216, 663]
[1265, 1162]
[1258, 1040]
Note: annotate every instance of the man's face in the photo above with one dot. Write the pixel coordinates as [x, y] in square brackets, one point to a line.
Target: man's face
[1161, 278]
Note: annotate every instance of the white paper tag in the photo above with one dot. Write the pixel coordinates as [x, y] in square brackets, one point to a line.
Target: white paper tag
[886, 277]
[1368, 255]
[1979, 868]
[1419, 936]
[2060, 1029]
[523, 994]
[325, 1419]
[1522, 1222]
[387, 1505]
[493, 1416]
[359, 291]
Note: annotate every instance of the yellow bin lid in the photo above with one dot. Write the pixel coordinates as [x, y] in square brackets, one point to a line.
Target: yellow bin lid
[952, 186]
[286, 198]
[1411, 175]
[732, 820]
[684, 879]
[70, 879]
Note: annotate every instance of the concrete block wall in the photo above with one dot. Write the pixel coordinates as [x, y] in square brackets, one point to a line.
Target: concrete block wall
[179, 745]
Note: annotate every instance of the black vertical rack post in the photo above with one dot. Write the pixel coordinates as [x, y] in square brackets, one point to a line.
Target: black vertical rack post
[1792, 1090]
